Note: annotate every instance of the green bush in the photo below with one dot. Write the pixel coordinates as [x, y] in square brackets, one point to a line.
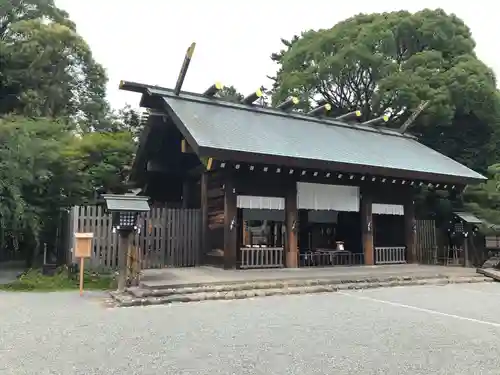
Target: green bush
[34, 280]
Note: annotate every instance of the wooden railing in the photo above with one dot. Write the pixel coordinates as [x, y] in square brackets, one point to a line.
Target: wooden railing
[390, 255]
[330, 258]
[261, 257]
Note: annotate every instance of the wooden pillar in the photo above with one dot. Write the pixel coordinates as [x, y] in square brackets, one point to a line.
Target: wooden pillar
[239, 233]
[230, 224]
[410, 230]
[124, 242]
[365, 209]
[279, 234]
[205, 240]
[467, 262]
[291, 222]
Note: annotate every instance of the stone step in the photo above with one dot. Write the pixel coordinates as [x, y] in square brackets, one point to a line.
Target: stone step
[146, 291]
[492, 273]
[143, 297]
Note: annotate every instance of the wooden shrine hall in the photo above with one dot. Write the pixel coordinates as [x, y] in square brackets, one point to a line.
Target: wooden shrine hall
[278, 188]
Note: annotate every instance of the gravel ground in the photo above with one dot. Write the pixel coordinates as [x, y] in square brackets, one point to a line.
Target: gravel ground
[452, 330]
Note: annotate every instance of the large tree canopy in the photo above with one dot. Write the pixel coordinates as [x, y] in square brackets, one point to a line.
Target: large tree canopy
[392, 62]
[60, 144]
[47, 68]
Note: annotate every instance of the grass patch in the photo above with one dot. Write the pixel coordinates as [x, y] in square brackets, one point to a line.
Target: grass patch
[33, 280]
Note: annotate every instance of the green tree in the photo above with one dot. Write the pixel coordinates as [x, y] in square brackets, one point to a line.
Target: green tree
[47, 69]
[60, 144]
[484, 199]
[35, 182]
[46, 166]
[102, 161]
[394, 61]
[124, 119]
[230, 94]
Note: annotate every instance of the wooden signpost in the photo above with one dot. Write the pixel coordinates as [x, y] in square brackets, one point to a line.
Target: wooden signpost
[83, 249]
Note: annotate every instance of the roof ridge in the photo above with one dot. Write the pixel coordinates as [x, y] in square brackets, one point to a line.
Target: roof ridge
[200, 98]
[197, 97]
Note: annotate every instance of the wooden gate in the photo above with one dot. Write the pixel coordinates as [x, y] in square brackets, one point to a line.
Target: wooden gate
[166, 237]
[426, 242]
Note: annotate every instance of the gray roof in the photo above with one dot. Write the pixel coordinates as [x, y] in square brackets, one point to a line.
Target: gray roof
[247, 129]
[126, 202]
[468, 217]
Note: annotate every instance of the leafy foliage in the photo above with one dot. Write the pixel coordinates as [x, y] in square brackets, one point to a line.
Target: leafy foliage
[102, 160]
[60, 144]
[394, 61]
[484, 199]
[47, 68]
[35, 281]
[230, 94]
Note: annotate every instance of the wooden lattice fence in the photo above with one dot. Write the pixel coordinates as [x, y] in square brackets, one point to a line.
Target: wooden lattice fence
[426, 242]
[166, 237]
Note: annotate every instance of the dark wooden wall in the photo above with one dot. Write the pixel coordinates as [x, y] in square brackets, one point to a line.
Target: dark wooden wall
[223, 186]
[215, 210]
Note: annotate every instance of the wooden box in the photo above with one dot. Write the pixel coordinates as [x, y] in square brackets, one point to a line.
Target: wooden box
[83, 245]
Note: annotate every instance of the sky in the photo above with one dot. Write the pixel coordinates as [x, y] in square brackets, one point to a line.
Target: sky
[145, 41]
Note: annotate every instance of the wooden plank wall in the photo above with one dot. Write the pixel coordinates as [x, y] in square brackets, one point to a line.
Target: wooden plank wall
[182, 237]
[215, 201]
[426, 242]
[92, 219]
[166, 237]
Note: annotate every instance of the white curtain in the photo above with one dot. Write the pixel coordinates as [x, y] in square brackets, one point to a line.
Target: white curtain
[327, 197]
[388, 209]
[261, 203]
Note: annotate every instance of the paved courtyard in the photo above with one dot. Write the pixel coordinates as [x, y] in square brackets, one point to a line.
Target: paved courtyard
[452, 329]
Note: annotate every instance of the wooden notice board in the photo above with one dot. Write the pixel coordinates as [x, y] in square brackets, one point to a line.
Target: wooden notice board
[83, 245]
[83, 249]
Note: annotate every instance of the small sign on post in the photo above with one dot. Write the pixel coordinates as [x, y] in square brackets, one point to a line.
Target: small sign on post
[83, 249]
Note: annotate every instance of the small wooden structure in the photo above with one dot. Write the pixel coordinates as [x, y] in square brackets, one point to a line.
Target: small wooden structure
[465, 243]
[278, 188]
[83, 250]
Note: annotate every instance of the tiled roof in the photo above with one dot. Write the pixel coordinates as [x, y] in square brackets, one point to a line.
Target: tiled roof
[217, 127]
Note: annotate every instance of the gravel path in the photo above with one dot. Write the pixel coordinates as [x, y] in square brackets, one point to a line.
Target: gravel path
[410, 330]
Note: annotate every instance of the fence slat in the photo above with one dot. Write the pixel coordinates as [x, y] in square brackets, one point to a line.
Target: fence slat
[426, 242]
[166, 237]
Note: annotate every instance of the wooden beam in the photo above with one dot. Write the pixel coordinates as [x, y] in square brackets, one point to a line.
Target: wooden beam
[186, 148]
[410, 230]
[366, 203]
[291, 220]
[184, 68]
[423, 105]
[205, 241]
[230, 225]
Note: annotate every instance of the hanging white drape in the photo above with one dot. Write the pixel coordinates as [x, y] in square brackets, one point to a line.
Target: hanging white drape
[327, 197]
[387, 209]
[261, 203]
